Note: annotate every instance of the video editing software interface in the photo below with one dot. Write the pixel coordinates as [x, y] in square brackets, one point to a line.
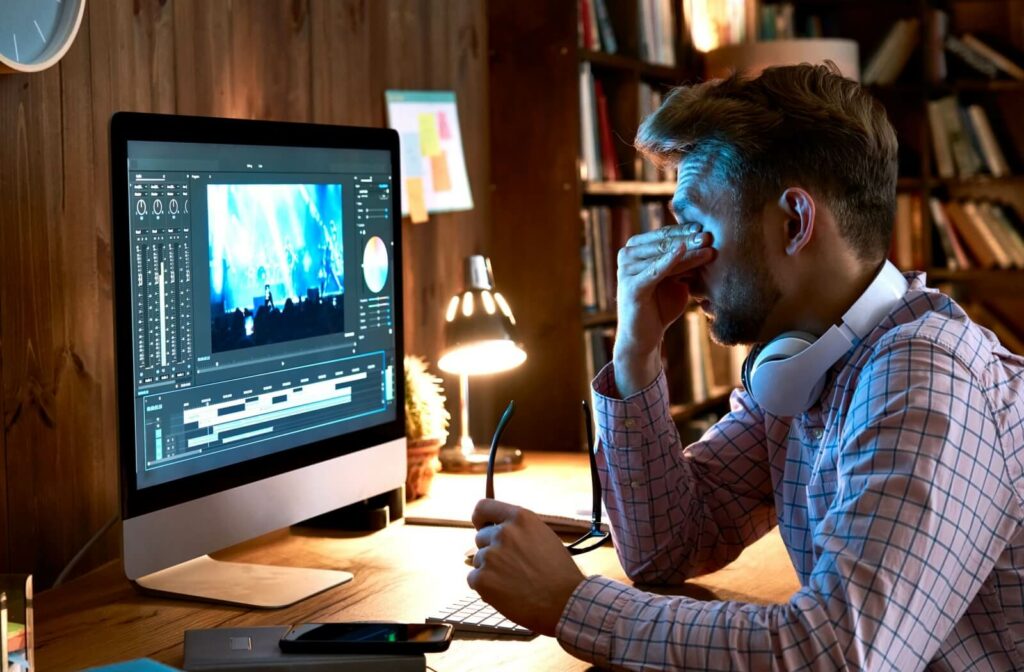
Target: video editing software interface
[262, 300]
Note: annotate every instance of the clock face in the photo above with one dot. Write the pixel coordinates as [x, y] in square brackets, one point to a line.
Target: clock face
[34, 34]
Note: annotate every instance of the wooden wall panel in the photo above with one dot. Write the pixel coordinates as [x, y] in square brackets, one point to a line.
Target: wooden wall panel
[534, 112]
[303, 60]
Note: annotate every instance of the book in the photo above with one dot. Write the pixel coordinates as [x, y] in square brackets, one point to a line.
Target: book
[936, 27]
[609, 164]
[977, 239]
[970, 57]
[590, 167]
[995, 160]
[604, 24]
[588, 288]
[995, 215]
[992, 231]
[940, 141]
[902, 239]
[956, 258]
[994, 57]
[892, 55]
[695, 359]
[968, 163]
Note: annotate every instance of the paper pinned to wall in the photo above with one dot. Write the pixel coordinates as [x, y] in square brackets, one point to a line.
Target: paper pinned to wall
[431, 152]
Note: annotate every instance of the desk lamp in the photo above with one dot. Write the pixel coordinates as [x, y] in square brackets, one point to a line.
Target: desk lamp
[480, 339]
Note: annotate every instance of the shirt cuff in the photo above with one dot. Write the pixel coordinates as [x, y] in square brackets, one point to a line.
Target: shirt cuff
[587, 626]
[623, 423]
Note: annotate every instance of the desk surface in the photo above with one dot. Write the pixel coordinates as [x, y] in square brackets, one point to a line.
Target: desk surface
[401, 573]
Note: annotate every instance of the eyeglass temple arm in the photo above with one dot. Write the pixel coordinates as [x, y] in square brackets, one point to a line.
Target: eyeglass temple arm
[495, 440]
[595, 478]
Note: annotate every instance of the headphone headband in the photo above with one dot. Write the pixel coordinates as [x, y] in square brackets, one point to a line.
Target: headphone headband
[786, 375]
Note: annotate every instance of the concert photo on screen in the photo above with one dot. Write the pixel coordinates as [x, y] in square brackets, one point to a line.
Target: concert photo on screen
[276, 271]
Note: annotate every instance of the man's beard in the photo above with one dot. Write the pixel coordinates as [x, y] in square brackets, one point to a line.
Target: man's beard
[747, 297]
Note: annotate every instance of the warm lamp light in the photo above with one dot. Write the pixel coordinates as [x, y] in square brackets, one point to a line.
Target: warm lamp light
[480, 337]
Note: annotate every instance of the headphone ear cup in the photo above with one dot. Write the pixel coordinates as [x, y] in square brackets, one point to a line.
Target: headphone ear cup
[767, 385]
[748, 366]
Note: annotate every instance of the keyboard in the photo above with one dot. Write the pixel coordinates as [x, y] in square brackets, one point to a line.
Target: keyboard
[472, 614]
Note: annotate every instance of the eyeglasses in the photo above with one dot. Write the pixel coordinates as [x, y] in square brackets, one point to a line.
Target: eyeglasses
[596, 536]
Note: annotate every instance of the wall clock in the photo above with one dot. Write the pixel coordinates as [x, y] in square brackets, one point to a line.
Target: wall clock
[35, 34]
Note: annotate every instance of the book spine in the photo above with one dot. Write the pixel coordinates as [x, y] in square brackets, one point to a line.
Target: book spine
[1011, 240]
[990, 149]
[940, 141]
[956, 252]
[604, 21]
[942, 233]
[588, 164]
[993, 233]
[609, 166]
[971, 57]
[993, 57]
[1002, 214]
[588, 291]
[973, 238]
[936, 28]
[976, 238]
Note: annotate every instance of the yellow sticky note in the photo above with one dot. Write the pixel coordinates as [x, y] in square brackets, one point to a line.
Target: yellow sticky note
[430, 143]
[439, 170]
[417, 202]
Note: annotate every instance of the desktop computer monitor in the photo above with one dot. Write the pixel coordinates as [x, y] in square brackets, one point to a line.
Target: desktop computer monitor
[258, 325]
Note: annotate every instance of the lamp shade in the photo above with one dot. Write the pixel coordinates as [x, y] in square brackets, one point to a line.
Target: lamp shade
[753, 57]
[480, 331]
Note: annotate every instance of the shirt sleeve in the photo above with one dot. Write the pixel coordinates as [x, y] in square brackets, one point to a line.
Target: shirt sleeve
[923, 511]
[678, 513]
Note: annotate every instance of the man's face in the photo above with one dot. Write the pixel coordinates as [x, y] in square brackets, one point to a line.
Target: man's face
[737, 290]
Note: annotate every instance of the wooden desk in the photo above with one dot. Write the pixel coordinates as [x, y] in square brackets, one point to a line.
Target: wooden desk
[401, 573]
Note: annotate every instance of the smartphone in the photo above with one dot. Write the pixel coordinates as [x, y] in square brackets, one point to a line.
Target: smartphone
[367, 637]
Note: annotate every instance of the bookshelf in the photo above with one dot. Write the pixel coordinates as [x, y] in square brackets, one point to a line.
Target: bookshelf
[535, 58]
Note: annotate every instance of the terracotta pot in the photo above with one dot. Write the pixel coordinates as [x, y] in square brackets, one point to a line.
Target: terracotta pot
[422, 464]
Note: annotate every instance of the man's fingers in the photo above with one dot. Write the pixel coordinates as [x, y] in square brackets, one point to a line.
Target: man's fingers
[664, 245]
[657, 270]
[492, 512]
[655, 236]
[486, 536]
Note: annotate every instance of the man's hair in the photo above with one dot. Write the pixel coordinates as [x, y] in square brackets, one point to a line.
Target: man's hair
[800, 125]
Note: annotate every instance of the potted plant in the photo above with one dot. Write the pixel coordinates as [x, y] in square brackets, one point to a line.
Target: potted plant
[426, 426]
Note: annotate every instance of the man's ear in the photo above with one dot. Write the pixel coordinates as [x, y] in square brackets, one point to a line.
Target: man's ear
[798, 207]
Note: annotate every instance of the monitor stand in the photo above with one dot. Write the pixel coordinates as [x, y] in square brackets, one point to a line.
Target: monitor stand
[264, 586]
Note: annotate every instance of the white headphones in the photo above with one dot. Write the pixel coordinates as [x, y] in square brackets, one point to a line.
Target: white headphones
[786, 375]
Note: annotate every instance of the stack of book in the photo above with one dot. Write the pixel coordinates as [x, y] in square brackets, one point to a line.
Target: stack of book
[977, 234]
[698, 368]
[595, 27]
[964, 142]
[599, 162]
[657, 32]
[605, 230]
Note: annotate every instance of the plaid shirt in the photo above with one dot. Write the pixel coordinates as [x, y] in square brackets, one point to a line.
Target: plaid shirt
[898, 496]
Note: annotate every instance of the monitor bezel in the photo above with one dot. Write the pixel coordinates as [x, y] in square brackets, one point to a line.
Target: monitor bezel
[126, 127]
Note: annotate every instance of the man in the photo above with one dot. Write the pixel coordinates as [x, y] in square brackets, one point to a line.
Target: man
[897, 493]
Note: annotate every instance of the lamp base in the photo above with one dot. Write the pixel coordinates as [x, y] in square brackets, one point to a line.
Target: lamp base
[454, 460]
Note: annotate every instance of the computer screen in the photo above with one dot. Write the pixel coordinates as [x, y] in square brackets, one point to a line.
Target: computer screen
[263, 300]
[257, 301]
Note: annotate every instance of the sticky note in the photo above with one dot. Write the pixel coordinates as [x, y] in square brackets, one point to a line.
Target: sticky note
[430, 143]
[412, 160]
[416, 199]
[439, 172]
[442, 126]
